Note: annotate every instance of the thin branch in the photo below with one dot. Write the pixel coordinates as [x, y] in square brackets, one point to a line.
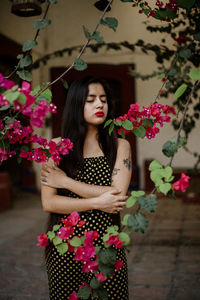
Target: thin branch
[36, 35]
[79, 55]
[183, 118]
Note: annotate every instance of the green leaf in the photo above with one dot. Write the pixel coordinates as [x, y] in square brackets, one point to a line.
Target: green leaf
[118, 123]
[46, 95]
[125, 220]
[62, 248]
[51, 235]
[138, 222]
[84, 292]
[127, 124]
[168, 84]
[137, 193]
[197, 36]
[19, 56]
[107, 256]
[41, 23]
[57, 240]
[195, 74]
[185, 53]
[53, 1]
[110, 22]
[148, 203]
[4, 107]
[186, 3]
[160, 76]
[140, 131]
[156, 176]
[107, 123]
[147, 122]
[166, 12]
[106, 269]
[86, 32]
[169, 148]
[179, 92]
[95, 284]
[12, 96]
[124, 237]
[79, 64]
[111, 128]
[172, 71]
[102, 293]
[167, 172]
[25, 75]
[8, 120]
[97, 37]
[28, 45]
[105, 237]
[56, 227]
[25, 62]
[122, 133]
[21, 99]
[131, 201]
[165, 188]
[75, 242]
[65, 84]
[113, 229]
[155, 164]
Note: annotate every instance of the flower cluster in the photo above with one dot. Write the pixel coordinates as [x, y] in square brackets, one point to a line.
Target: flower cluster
[156, 113]
[83, 247]
[181, 184]
[146, 8]
[17, 138]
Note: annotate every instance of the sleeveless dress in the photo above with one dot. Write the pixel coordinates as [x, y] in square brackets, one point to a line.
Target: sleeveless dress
[64, 274]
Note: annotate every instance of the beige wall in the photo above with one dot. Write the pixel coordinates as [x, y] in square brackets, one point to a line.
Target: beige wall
[66, 30]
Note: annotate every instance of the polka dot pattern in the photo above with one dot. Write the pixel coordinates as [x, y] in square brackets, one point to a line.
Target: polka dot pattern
[64, 274]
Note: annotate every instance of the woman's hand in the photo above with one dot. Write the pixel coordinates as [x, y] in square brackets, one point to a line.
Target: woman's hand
[111, 201]
[52, 176]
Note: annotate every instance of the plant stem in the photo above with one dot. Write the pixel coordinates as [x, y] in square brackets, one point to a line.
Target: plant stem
[80, 53]
[183, 118]
[35, 38]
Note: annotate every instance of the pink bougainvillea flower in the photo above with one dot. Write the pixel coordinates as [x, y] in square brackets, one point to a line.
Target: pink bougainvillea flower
[112, 239]
[73, 218]
[3, 154]
[64, 233]
[73, 296]
[118, 244]
[70, 247]
[118, 264]
[88, 253]
[81, 223]
[42, 240]
[101, 277]
[181, 184]
[90, 266]
[79, 253]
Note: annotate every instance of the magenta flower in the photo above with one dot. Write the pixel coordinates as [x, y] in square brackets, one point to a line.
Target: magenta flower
[73, 296]
[101, 277]
[42, 240]
[182, 184]
[73, 218]
[64, 233]
[90, 266]
[118, 264]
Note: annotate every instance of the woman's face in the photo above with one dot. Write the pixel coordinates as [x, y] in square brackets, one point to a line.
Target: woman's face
[96, 106]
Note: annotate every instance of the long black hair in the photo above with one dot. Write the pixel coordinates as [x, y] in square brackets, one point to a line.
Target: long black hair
[74, 126]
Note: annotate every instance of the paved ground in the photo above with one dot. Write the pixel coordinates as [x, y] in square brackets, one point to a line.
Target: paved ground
[164, 263]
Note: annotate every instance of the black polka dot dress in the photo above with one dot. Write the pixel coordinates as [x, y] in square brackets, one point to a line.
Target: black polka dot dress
[64, 274]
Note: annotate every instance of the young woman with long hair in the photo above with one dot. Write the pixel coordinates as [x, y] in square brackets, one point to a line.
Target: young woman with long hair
[93, 180]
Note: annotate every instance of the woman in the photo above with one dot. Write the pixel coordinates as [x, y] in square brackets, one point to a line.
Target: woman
[93, 180]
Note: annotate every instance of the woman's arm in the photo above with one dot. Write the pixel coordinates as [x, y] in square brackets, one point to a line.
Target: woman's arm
[110, 202]
[120, 178]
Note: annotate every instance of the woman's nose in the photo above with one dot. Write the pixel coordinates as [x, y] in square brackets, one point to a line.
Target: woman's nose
[99, 102]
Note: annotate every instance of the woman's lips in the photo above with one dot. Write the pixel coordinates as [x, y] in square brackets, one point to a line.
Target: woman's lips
[99, 114]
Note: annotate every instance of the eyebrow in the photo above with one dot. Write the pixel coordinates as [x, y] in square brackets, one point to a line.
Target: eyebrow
[92, 95]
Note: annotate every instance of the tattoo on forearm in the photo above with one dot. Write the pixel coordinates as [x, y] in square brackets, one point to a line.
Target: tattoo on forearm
[127, 162]
[115, 171]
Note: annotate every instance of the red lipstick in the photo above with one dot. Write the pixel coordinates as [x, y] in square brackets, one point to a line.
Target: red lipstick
[99, 114]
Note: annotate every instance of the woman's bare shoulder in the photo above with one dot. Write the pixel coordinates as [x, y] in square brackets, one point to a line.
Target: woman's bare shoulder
[123, 144]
